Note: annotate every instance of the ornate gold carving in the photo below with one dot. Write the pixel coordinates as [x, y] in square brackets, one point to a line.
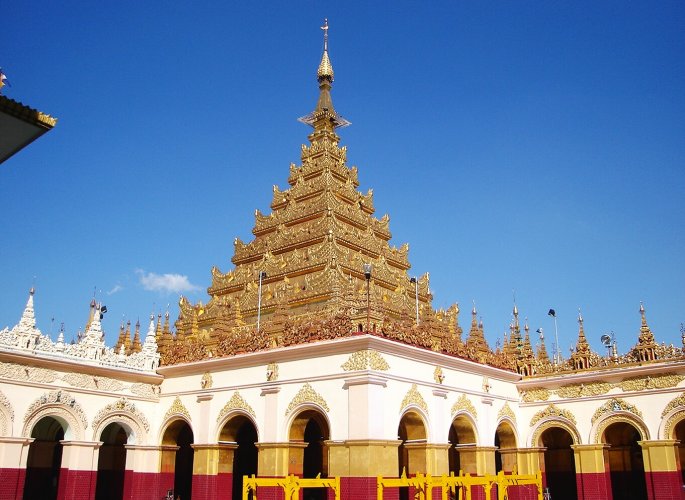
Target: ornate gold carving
[206, 382]
[615, 405]
[272, 372]
[464, 404]
[644, 434]
[307, 394]
[57, 398]
[145, 390]
[506, 411]
[365, 360]
[414, 397]
[177, 408]
[656, 381]
[549, 424]
[552, 412]
[535, 394]
[673, 404]
[438, 376]
[235, 403]
[121, 406]
[582, 390]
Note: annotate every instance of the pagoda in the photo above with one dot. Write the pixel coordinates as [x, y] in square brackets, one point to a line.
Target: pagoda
[320, 264]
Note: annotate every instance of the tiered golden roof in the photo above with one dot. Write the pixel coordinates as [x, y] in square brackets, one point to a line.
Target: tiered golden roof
[302, 277]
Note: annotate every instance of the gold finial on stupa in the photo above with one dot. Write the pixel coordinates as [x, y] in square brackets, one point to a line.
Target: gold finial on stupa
[325, 67]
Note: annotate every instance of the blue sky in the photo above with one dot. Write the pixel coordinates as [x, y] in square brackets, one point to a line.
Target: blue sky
[535, 147]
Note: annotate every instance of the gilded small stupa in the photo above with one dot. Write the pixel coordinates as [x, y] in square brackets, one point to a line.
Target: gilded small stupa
[306, 275]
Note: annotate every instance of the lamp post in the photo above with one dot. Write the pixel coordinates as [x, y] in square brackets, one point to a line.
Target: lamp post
[557, 351]
[367, 275]
[416, 294]
[262, 275]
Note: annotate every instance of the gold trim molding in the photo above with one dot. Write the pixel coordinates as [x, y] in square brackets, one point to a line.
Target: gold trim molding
[307, 394]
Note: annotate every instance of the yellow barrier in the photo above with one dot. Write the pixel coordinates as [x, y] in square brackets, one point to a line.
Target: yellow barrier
[291, 485]
[460, 485]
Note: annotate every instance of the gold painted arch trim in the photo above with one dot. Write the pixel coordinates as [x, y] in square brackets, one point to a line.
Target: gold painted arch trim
[307, 394]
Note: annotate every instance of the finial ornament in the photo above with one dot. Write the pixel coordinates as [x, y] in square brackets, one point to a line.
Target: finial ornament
[325, 34]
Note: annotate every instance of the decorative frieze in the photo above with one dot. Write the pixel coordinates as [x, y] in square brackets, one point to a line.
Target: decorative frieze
[552, 412]
[307, 394]
[584, 389]
[177, 408]
[615, 405]
[145, 390]
[535, 394]
[464, 404]
[413, 397]
[237, 402]
[367, 359]
[36, 374]
[656, 381]
[121, 406]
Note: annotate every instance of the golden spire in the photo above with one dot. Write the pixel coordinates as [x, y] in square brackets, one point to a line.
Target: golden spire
[324, 119]
[325, 67]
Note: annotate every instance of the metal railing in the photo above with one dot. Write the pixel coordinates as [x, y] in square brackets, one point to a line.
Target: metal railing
[291, 485]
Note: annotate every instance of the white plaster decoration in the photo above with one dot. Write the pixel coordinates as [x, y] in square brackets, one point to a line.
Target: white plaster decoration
[121, 411]
[6, 415]
[26, 337]
[145, 390]
[63, 407]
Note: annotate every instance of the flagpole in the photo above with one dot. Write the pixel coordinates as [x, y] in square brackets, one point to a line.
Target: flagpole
[557, 351]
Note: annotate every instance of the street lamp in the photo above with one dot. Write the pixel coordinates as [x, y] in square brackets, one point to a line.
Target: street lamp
[416, 294]
[367, 275]
[262, 276]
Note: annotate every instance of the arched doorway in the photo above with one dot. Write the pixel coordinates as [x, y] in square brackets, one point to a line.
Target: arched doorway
[505, 442]
[410, 460]
[679, 434]
[311, 429]
[241, 431]
[111, 463]
[179, 433]
[560, 466]
[625, 461]
[44, 460]
[462, 436]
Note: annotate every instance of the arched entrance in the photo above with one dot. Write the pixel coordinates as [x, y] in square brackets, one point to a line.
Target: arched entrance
[560, 466]
[44, 460]
[311, 429]
[241, 431]
[625, 461]
[111, 463]
[505, 442]
[462, 436]
[410, 460]
[679, 434]
[179, 433]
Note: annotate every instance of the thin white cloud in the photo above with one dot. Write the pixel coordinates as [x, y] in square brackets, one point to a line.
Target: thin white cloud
[117, 288]
[168, 282]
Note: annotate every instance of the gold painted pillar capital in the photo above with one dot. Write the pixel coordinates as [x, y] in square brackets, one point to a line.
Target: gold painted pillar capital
[279, 459]
[530, 460]
[427, 458]
[590, 458]
[660, 455]
[211, 459]
[476, 460]
[362, 458]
